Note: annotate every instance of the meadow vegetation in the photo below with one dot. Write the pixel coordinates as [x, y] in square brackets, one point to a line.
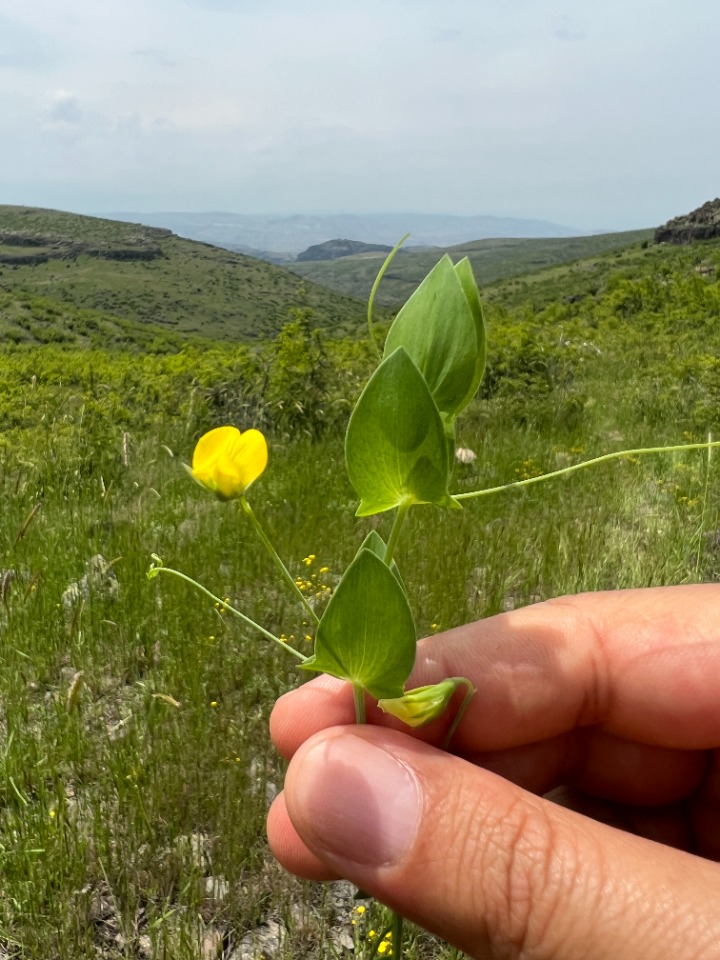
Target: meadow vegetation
[135, 767]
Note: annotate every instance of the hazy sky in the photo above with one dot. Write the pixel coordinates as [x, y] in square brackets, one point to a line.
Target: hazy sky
[591, 114]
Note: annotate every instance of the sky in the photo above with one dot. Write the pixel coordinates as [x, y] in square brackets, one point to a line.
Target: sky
[597, 115]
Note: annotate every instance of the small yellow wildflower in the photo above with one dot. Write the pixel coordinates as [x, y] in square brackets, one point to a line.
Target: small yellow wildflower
[52, 814]
[324, 569]
[213, 703]
[419, 706]
[227, 461]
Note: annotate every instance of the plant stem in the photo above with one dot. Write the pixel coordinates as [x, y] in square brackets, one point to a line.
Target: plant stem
[701, 529]
[400, 514]
[580, 466]
[359, 695]
[226, 606]
[397, 920]
[397, 934]
[371, 301]
[276, 559]
[461, 710]
[395, 532]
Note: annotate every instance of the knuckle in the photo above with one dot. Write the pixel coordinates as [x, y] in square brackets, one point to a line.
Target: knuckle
[527, 870]
[589, 638]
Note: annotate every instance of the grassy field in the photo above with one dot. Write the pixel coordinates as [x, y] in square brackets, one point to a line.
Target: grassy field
[151, 276]
[492, 260]
[135, 768]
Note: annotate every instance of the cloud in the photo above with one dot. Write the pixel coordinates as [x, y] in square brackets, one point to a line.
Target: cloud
[564, 28]
[447, 36]
[64, 110]
[153, 56]
[575, 113]
[23, 48]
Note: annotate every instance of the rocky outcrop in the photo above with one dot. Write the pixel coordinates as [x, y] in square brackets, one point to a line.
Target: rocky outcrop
[334, 249]
[701, 224]
[29, 249]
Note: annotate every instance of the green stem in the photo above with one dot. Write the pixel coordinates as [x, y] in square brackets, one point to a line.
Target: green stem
[287, 576]
[154, 571]
[371, 301]
[701, 530]
[580, 466]
[461, 710]
[400, 515]
[397, 934]
[359, 696]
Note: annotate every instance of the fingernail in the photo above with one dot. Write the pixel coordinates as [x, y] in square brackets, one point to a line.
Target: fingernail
[358, 800]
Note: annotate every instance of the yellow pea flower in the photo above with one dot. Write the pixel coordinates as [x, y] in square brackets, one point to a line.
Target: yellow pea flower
[227, 461]
[422, 704]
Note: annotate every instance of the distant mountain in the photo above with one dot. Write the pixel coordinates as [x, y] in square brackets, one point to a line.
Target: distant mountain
[334, 249]
[492, 260]
[701, 224]
[268, 236]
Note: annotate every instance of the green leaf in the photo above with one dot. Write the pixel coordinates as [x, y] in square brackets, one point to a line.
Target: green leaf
[395, 447]
[464, 272]
[367, 634]
[441, 328]
[375, 543]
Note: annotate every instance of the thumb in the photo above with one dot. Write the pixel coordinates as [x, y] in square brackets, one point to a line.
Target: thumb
[492, 869]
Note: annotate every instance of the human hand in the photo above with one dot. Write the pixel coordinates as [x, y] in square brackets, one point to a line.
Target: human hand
[607, 703]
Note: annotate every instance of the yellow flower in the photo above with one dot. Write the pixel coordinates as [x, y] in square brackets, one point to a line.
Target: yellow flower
[422, 704]
[227, 461]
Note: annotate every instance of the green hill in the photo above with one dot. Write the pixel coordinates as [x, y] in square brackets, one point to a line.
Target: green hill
[492, 260]
[27, 319]
[148, 275]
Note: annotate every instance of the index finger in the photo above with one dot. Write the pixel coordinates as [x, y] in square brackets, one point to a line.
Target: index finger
[640, 664]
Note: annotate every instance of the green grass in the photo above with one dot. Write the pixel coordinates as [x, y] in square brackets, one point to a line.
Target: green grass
[492, 260]
[135, 761]
[185, 287]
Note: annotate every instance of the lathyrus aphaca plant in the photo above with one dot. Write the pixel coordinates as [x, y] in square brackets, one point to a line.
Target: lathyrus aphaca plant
[399, 451]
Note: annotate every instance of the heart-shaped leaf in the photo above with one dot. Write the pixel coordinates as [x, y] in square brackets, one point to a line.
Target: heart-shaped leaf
[367, 634]
[395, 448]
[442, 329]
[464, 272]
[375, 543]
